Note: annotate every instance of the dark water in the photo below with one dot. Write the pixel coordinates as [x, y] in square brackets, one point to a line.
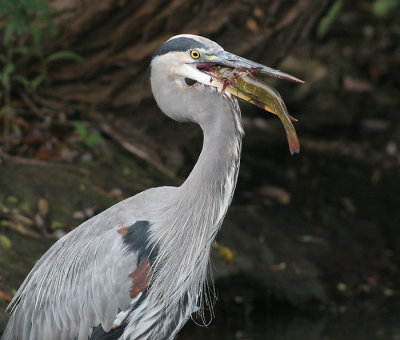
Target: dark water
[361, 323]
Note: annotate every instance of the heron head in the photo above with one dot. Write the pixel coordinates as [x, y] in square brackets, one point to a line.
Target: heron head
[177, 80]
[184, 70]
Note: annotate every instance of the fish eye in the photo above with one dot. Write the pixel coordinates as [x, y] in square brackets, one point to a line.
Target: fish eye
[195, 54]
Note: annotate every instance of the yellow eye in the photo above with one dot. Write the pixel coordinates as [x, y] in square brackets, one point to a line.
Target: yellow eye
[195, 54]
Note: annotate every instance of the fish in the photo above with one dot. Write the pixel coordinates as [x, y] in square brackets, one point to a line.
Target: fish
[248, 86]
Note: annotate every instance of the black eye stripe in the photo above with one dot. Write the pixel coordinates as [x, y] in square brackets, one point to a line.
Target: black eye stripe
[179, 45]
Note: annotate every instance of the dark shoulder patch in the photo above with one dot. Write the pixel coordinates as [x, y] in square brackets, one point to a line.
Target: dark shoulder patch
[178, 45]
[136, 235]
[113, 334]
[137, 239]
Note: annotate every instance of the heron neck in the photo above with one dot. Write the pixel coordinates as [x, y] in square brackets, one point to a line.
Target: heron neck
[196, 210]
[213, 178]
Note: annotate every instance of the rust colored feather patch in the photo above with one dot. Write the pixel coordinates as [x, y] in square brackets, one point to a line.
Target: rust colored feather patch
[123, 230]
[140, 278]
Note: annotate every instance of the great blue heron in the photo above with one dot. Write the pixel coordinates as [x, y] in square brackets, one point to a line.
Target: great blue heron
[138, 269]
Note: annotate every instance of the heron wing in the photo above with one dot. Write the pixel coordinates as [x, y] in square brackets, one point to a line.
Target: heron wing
[82, 281]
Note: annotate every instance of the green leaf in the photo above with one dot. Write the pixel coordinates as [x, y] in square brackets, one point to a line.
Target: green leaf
[36, 82]
[65, 55]
[21, 79]
[5, 241]
[384, 7]
[12, 199]
[9, 31]
[36, 33]
[50, 29]
[57, 225]
[35, 6]
[80, 129]
[26, 50]
[5, 7]
[3, 59]
[92, 139]
[21, 20]
[327, 21]
[9, 68]
[5, 77]
[15, 127]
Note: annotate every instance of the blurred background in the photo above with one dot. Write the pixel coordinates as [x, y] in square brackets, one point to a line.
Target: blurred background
[310, 248]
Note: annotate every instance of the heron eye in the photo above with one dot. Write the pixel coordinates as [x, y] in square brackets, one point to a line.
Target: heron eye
[195, 54]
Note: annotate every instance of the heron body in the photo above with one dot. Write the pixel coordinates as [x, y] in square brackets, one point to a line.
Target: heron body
[138, 269]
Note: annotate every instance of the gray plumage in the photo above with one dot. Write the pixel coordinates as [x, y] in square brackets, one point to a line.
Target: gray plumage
[94, 275]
